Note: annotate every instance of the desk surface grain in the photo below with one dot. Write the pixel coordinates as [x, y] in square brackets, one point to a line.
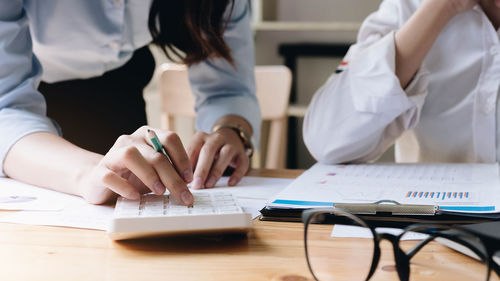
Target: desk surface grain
[271, 251]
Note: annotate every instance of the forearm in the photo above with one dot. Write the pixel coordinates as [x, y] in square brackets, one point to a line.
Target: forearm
[414, 40]
[47, 160]
[222, 89]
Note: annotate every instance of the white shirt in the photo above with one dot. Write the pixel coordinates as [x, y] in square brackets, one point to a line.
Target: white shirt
[448, 113]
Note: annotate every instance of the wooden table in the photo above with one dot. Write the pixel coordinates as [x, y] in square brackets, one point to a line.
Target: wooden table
[271, 251]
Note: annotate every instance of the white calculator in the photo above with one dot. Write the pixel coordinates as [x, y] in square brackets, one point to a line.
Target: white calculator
[158, 215]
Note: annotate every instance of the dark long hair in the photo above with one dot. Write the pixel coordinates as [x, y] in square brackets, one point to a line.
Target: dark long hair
[195, 27]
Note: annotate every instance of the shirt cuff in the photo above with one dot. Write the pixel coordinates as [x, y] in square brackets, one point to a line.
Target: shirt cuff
[375, 87]
[18, 124]
[215, 108]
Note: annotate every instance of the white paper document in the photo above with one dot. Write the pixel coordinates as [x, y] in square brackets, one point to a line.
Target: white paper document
[16, 195]
[81, 215]
[452, 187]
[253, 193]
[349, 231]
[71, 211]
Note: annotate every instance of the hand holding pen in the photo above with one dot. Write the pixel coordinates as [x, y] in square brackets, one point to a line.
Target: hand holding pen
[141, 163]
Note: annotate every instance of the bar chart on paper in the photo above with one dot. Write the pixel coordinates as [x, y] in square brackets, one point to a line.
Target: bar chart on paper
[438, 196]
[457, 187]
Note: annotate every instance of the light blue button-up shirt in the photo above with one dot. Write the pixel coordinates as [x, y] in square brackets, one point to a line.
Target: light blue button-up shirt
[71, 39]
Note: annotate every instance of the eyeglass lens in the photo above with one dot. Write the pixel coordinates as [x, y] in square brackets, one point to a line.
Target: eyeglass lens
[332, 258]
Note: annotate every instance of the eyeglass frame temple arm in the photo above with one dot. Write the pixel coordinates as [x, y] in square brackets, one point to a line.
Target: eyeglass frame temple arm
[487, 257]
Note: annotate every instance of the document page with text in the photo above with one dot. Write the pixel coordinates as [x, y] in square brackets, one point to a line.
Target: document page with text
[452, 187]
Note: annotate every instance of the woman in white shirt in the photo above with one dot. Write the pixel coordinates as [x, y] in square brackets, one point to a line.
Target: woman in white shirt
[424, 75]
[95, 64]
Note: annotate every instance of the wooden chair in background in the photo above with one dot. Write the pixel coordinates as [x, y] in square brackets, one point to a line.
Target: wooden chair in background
[273, 91]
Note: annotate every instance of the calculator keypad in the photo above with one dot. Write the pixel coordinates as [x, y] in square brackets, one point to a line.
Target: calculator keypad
[151, 205]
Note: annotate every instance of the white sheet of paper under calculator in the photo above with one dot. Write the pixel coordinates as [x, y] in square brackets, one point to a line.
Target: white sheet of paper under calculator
[453, 187]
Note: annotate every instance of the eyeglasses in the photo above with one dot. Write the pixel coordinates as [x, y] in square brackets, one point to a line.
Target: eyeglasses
[333, 258]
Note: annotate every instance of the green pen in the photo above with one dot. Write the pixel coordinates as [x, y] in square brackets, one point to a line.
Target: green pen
[159, 147]
[157, 144]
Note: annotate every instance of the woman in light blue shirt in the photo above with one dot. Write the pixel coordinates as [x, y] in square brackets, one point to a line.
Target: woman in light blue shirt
[92, 59]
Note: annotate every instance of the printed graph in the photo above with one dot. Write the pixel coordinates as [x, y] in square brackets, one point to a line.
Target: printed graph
[438, 196]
